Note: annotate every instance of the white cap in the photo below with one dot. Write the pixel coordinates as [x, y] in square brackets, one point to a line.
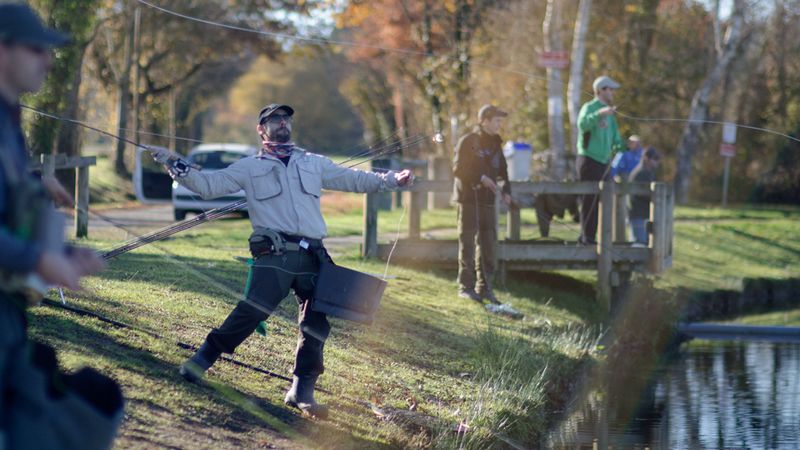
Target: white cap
[604, 82]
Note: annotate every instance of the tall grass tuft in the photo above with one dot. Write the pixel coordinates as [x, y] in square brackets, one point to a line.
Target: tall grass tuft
[509, 406]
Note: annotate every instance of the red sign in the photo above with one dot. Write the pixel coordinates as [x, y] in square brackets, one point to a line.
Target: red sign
[728, 150]
[554, 60]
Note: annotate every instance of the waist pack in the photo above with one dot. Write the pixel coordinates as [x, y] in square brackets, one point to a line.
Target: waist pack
[265, 241]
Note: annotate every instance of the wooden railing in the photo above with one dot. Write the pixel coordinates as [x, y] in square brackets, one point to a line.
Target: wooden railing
[611, 248]
[48, 164]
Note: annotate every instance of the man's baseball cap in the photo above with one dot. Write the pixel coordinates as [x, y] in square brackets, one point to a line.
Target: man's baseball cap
[490, 112]
[19, 24]
[604, 82]
[271, 108]
[634, 138]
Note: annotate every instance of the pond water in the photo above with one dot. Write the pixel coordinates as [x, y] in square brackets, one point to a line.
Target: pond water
[711, 395]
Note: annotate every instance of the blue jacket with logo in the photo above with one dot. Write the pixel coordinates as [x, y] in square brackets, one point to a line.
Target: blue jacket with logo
[624, 162]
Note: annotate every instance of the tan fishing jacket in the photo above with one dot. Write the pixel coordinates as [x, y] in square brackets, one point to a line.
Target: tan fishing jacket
[286, 198]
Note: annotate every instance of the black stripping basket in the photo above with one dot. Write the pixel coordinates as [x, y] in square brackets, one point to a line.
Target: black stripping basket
[347, 294]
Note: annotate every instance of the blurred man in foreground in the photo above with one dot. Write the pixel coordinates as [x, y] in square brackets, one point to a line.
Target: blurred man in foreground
[40, 407]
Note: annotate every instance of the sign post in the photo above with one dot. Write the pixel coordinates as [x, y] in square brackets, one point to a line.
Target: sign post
[727, 149]
[554, 60]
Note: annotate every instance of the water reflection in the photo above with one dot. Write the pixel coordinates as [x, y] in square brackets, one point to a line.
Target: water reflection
[713, 395]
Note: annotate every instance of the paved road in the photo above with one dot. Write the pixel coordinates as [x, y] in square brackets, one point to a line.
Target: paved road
[144, 216]
[143, 219]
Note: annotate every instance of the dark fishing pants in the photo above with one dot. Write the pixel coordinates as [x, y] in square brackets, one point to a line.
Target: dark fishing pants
[590, 170]
[477, 244]
[269, 281]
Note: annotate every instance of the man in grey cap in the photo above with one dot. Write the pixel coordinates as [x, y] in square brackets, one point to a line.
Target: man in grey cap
[477, 167]
[40, 407]
[598, 138]
[283, 185]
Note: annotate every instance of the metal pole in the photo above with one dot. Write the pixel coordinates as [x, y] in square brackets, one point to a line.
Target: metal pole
[725, 177]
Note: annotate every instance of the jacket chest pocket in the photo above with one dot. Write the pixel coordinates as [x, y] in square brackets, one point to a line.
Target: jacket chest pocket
[310, 181]
[266, 184]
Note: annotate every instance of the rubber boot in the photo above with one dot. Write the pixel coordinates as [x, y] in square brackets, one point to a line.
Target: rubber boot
[195, 367]
[301, 396]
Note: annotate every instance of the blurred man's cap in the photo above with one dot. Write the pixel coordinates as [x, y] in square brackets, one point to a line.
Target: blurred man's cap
[604, 82]
[490, 112]
[19, 24]
[634, 138]
[271, 108]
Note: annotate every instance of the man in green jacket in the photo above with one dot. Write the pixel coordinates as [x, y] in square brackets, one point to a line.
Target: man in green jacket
[598, 139]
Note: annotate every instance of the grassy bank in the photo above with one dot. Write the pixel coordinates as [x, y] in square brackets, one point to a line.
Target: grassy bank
[717, 249]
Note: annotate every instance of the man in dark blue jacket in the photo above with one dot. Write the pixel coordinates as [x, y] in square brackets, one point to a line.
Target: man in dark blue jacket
[477, 167]
[39, 406]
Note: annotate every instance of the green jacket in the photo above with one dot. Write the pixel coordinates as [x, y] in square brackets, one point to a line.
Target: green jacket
[598, 136]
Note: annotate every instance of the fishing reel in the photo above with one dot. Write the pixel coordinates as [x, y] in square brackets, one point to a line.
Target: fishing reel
[178, 167]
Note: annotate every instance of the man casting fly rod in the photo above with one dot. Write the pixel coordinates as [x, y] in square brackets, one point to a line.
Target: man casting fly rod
[283, 185]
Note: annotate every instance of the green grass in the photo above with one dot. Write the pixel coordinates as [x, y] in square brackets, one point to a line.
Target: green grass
[790, 318]
[446, 356]
[717, 249]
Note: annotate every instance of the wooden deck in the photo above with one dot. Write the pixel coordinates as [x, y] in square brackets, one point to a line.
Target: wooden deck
[612, 257]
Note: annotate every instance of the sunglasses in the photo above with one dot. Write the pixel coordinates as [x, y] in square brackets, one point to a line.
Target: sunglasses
[278, 118]
[35, 49]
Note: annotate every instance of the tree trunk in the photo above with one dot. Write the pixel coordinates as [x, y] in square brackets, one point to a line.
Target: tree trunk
[173, 119]
[68, 139]
[555, 100]
[462, 37]
[137, 71]
[698, 113]
[123, 91]
[574, 92]
[433, 98]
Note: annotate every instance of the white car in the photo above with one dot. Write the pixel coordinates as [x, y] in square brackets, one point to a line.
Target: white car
[149, 179]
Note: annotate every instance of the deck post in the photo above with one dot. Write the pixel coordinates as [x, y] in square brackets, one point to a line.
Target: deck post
[513, 221]
[620, 215]
[605, 244]
[658, 206]
[48, 165]
[415, 205]
[370, 245]
[82, 201]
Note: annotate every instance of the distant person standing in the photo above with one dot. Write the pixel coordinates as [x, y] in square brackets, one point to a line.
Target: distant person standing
[622, 166]
[598, 138]
[645, 172]
[624, 162]
[478, 165]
